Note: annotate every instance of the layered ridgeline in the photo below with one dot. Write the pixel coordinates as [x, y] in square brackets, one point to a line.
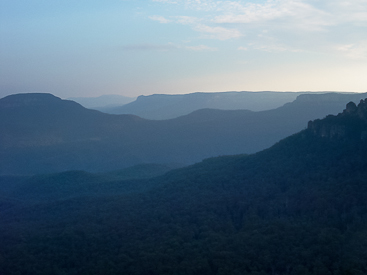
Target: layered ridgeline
[166, 106]
[298, 207]
[40, 133]
[171, 106]
[104, 101]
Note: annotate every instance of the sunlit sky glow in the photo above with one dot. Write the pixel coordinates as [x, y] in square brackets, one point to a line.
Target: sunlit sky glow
[133, 47]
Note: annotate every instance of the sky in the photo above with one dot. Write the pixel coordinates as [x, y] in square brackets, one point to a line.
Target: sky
[88, 48]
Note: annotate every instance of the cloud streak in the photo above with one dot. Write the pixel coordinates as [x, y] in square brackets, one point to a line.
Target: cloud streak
[200, 48]
[160, 19]
[149, 47]
[354, 51]
[290, 24]
[166, 47]
[217, 32]
[289, 14]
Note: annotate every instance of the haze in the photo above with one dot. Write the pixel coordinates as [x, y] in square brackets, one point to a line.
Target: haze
[133, 47]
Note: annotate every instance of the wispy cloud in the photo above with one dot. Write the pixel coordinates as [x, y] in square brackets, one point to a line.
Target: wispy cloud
[149, 47]
[160, 19]
[217, 32]
[292, 25]
[242, 48]
[220, 15]
[282, 14]
[166, 1]
[274, 47]
[309, 12]
[200, 48]
[166, 47]
[349, 11]
[209, 32]
[354, 51]
[187, 20]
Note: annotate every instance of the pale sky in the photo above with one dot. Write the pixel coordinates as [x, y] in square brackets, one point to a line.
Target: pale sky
[139, 47]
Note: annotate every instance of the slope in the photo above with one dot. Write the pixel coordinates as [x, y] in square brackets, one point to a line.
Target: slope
[162, 106]
[171, 106]
[104, 101]
[295, 208]
[42, 134]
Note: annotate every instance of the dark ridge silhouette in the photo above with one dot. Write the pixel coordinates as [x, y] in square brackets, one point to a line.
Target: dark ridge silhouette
[350, 124]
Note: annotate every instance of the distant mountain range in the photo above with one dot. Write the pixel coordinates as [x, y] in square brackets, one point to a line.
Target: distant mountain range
[298, 207]
[40, 133]
[164, 106]
[104, 101]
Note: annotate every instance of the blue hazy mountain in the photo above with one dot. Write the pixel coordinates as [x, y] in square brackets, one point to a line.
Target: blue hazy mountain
[104, 101]
[40, 133]
[298, 207]
[164, 106]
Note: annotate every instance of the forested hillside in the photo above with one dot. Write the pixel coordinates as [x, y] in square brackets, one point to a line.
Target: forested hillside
[298, 207]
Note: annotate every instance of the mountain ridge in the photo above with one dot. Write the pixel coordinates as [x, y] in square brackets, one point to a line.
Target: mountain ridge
[337, 127]
[67, 136]
[104, 101]
[300, 205]
[167, 106]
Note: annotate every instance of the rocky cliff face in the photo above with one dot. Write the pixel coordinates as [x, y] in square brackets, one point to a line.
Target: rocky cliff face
[351, 123]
